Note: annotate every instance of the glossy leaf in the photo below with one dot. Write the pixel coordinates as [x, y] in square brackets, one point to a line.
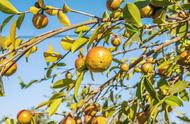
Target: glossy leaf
[5, 22]
[132, 15]
[173, 101]
[13, 33]
[178, 87]
[7, 7]
[77, 85]
[50, 55]
[20, 20]
[63, 19]
[67, 42]
[63, 83]
[78, 43]
[54, 106]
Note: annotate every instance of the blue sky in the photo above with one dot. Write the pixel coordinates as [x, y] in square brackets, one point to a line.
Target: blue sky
[17, 99]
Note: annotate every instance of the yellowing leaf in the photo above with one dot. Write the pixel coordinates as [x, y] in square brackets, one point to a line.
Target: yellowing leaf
[132, 15]
[7, 7]
[41, 104]
[50, 55]
[29, 52]
[77, 85]
[54, 106]
[82, 29]
[5, 22]
[13, 33]
[34, 10]
[66, 43]
[78, 43]
[63, 83]
[63, 18]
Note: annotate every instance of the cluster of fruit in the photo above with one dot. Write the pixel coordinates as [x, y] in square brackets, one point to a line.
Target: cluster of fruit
[27, 116]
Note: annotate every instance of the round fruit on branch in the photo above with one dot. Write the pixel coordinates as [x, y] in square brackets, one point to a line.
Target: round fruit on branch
[116, 40]
[11, 70]
[100, 120]
[24, 117]
[80, 63]
[40, 21]
[98, 59]
[68, 120]
[68, 75]
[113, 5]
[124, 67]
[147, 67]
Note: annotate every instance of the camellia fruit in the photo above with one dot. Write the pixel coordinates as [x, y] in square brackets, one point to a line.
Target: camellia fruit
[68, 120]
[80, 63]
[88, 119]
[147, 68]
[113, 5]
[116, 41]
[24, 117]
[40, 21]
[78, 120]
[98, 59]
[91, 109]
[146, 11]
[124, 67]
[50, 10]
[100, 120]
[11, 70]
[68, 75]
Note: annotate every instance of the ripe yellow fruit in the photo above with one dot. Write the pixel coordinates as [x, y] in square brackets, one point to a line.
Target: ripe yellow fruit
[11, 70]
[80, 63]
[116, 41]
[40, 21]
[113, 5]
[100, 120]
[24, 117]
[124, 67]
[91, 109]
[78, 120]
[147, 68]
[69, 120]
[98, 59]
[146, 11]
[88, 119]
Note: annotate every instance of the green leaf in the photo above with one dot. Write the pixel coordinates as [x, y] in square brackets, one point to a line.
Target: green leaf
[82, 29]
[54, 106]
[184, 95]
[160, 16]
[139, 89]
[2, 92]
[150, 89]
[173, 101]
[41, 104]
[184, 118]
[10, 121]
[57, 96]
[13, 33]
[62, 83]
[20, 20]
[77, 85]
[5, 22]
[52, 122]
[78, 43]
[178, 87]
[132, 15]
[182, 29]
[7, 7]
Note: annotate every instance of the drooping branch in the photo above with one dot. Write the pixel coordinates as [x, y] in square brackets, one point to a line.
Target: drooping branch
[111, 80]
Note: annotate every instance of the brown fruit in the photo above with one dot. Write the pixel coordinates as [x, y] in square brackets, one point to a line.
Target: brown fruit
[80, 63]
[11, 70]
[50, 10]
[68, 120]
[163, 70]
[146, 11]
[91, 109]
[142, 117]
[98, 59]
[40, 21]
[100, 120]
[113, 5]
[24, 117]
[88, 119]
[78, 120]
[124, 67]
[116, 41]
[184, 54]
[68, 75]
[147, 68]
